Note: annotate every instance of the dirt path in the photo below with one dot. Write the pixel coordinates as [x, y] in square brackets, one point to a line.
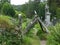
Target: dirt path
[43, 42]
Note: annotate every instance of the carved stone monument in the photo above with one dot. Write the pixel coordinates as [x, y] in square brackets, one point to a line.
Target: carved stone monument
[47, 15]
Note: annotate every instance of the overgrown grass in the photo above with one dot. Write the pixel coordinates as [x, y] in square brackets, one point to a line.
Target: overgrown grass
[54, 36]
[31, 41]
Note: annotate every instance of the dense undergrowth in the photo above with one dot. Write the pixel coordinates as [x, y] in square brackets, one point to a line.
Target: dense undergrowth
[9, 25]
[54, 36]
[6, 22]
[10, 36]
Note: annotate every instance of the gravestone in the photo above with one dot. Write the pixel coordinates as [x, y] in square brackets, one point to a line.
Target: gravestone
[47, 15]
[54, 21]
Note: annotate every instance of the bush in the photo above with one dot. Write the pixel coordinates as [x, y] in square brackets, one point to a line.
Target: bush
[8, 35]
[7, 9]
[54, 36]
[9, 38]
[6, 22]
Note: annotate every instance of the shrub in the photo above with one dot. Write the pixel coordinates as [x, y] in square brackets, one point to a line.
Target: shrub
[54, 36]
[7, 9]
[9, 38]
[6, 22]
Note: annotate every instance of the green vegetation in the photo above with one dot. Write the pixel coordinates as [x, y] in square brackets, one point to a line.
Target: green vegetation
[10, 33]
[54, 8]
[11, 37]
[29, 8]
[58, 13]
[54, 36]
[31, 41]
[6, 22]
[7, 9]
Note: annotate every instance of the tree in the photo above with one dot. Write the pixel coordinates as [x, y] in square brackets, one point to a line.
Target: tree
[53, 7]
[0, 7]
[58, 13]
[57, 2]
[4, 1]
[7, 9]
[29, 8]
[32, 5]
[37, 6]
[41, 11]
[23, 8]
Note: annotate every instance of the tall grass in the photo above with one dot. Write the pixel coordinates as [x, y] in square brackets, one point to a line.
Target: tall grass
[31, 41]
[54, 36]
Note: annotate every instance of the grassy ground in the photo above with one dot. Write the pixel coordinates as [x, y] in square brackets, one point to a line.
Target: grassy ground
[31, 41]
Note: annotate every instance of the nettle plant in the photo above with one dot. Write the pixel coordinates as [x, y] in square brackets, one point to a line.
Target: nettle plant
[54, 36]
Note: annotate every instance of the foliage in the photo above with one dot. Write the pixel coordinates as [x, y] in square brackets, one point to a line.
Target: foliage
[31, 41]
[36, 30]
[7, 22]
[24, 25]
[53, 7]
[25, 22]
[32, 38]
[7, 9]
[40, 33]
[54, 36]
[8, 34]
[57, 2]
[9, 38]
[0, 7]
[22, 14]
[29, 8]
[23, 8]
[58, 13]
[41, 11]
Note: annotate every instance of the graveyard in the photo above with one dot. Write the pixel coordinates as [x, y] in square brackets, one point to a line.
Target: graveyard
[36, 22]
